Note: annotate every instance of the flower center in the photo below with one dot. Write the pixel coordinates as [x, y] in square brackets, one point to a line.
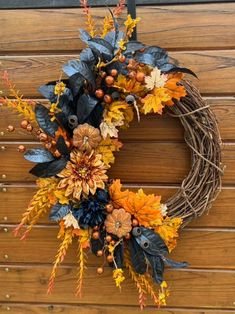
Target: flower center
[83, 171]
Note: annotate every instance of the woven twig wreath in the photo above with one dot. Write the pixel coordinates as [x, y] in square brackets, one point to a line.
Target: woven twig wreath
[203, 183]
[113, 80]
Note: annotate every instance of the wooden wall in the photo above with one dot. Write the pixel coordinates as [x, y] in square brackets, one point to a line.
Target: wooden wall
[33, 45]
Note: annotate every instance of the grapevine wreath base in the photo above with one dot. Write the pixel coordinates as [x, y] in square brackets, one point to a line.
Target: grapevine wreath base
[114, 79]
[203, 183]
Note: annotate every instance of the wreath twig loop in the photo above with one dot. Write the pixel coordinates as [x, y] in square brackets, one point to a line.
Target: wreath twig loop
[203, 182]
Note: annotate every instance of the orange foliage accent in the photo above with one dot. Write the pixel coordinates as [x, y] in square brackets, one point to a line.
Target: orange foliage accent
[117, 196]
[174, 90]
[67, 240]
[145, 208]
[90, 22]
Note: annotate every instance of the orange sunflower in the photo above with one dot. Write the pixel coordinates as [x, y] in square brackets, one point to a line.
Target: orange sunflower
[84, 173]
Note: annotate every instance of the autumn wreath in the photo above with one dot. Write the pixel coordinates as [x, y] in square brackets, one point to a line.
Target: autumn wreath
[114, 79]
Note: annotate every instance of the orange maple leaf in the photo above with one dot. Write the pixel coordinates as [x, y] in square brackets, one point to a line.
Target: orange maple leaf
[174, 90]
[117, 196]
[145, 208]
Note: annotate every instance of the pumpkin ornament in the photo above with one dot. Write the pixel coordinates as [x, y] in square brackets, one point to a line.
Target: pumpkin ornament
[114, 79]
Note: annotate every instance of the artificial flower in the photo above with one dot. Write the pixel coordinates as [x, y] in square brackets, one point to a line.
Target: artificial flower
[84, 173]
[145, 208]
[118, 222]
[89, 213]
[86, 137]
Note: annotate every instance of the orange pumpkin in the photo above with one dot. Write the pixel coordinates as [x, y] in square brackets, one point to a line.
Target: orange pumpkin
[86, 137]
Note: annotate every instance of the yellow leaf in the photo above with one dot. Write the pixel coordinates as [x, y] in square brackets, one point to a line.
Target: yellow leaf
[168, 230]
[130, 25]
[106, 149]
[156, 100]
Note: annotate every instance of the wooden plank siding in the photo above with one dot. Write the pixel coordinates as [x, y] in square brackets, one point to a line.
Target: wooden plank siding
[33, 46]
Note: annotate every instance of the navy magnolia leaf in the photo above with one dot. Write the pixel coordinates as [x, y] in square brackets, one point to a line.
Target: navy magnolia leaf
[49, 169]
[173, 264]
[102, 45]
[84, 69]
[85, 106]
[58, 211]
[137, 256]
[156, 246]
[168, 68]
[133, 46]
[95, 116]
[38, 155]
[61, 146]
[84, 35]
[157, 266]
[44, 120]
[48, 91]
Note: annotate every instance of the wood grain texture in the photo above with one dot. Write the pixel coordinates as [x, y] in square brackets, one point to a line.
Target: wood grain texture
[14, 201]
[25, 308]
[26, 4]
[137, 162]
[151, 127]
[38, 70]
[211, 249]
[188, 288]
[206, 26]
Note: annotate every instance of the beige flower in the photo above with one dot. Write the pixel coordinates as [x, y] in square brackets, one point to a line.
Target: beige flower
[118, 222]
[83, 174]
[86, 137]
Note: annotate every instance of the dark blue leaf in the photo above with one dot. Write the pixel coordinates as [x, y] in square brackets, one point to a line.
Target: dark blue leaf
[156, 246]
[96, 116]
[114, 39]
[137, 256]
[97, 245]
[84, 69]
[58, 211]
[133, 46]
[157, 266]
[84, 35]
[153, 55]
[103, 46]
[49, 169]
[38, 155]
[174, 264]
[76, 82]
[88, 56]
[85, 106]
[169, 68]
[44, 120]
[61, 146]
[118, 255]
[48, 91]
